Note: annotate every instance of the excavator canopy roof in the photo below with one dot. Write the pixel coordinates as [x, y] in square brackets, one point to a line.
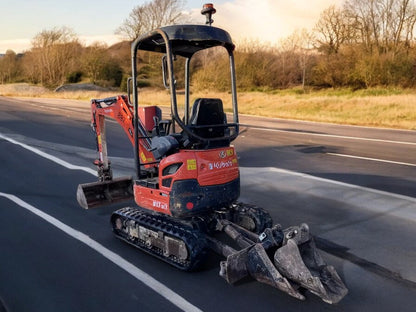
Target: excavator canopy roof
[185, 40]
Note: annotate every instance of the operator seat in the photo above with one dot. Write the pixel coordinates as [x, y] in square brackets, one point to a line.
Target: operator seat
[208, 112]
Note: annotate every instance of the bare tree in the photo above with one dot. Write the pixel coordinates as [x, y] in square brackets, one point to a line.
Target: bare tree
[386, 25]
[151, 15]
[333, 29]
[400, 24]
[366, 19]
[93, 60]
[295, 54]
[9, 67]
[54, 54]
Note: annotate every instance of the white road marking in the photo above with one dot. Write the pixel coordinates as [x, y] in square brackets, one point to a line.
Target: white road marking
[142, 276]
[347, 185]
[48, 156]
[304, 175]
[334, 136]
[130, 268]
[373, 159]
[127, 266]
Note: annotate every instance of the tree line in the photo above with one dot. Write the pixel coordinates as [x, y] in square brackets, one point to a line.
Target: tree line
[361, 44]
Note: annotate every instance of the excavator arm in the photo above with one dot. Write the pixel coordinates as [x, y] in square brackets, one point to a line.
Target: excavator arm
[107, 189]
[119, 109]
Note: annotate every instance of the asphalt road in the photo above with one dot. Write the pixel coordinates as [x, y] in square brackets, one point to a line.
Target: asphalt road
[356, 187]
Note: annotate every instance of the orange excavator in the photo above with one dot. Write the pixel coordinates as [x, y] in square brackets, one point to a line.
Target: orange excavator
[187, 180]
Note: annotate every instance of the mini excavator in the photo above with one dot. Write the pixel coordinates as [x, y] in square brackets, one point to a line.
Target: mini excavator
[187, 181]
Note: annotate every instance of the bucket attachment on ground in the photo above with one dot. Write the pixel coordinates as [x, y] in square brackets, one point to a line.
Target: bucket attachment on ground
[100, 193]
[295, 264]
[305, 266]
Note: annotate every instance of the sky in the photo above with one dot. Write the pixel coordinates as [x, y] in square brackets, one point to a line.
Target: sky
[97, 20]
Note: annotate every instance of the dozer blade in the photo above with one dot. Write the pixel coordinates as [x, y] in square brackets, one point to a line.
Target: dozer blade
[95, 194]
[295, 263]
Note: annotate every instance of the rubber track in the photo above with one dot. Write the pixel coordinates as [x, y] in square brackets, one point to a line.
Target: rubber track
[194, 240]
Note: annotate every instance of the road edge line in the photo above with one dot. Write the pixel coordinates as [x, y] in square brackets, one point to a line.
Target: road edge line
[139, 274]
[352, 186]
[48, 156]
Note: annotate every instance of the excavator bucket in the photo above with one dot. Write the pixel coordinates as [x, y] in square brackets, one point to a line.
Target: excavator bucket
[95, 194]
[287, 260]
[305, 266]
[254, 261]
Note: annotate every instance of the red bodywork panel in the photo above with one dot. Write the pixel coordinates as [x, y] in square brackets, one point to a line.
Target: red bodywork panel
[212, 167]
[205, 168]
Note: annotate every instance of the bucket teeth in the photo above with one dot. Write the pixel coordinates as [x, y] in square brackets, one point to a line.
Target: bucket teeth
[262, 269]
[296, 263]
[255, 262]
[306, 267]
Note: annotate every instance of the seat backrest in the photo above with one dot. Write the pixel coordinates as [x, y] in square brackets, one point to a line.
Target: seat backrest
[207, 112]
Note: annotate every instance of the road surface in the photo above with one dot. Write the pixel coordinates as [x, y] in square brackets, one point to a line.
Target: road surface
[354, 186]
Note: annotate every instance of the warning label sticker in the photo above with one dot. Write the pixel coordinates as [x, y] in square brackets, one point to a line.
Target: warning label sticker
[191, 164]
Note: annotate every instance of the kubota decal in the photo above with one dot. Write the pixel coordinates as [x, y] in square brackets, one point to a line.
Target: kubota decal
[220, 165]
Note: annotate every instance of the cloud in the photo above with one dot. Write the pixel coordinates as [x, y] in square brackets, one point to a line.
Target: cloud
[22, 45]
[263, 20]
[266, 20]
[17, 45]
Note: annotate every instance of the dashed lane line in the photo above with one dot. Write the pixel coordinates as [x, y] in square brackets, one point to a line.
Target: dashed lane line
[344, 184]
[373, 159]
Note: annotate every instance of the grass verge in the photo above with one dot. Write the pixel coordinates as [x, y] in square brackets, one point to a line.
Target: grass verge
[391, 108]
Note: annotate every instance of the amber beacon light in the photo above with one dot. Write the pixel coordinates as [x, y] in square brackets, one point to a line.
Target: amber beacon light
[207, 10]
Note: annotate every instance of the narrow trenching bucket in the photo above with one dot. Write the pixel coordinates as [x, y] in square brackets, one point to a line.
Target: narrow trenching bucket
[287, 260]
[95, 194]
[304, 265]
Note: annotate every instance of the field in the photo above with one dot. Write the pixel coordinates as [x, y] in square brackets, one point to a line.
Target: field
[372, 107]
